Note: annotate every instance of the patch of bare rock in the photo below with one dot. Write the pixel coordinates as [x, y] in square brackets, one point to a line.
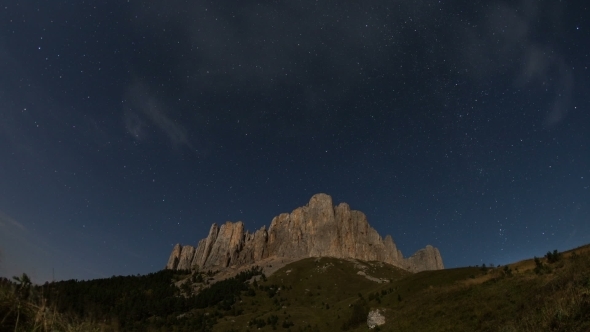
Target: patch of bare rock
[375, 318]
[377, 280]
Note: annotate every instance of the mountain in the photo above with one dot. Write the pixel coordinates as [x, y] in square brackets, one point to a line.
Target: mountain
[550, 293]
[318, 229]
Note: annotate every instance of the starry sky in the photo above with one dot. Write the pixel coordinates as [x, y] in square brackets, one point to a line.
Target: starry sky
[129, 126]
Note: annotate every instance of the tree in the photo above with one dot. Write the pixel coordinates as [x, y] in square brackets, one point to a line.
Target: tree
[22, 292]
[553, 257]
[24, 284]
[360, 310]
[186, 288]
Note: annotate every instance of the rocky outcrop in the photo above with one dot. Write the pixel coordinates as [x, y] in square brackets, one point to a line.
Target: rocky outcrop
[316, 230]
[174, 257]
[425, 259]
[375, 318]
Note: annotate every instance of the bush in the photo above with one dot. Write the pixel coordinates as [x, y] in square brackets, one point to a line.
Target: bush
[258, 322]
[553, 257]
[287, 323]
[360, 310]
[272, 321]
[541, 268]
[484, 268]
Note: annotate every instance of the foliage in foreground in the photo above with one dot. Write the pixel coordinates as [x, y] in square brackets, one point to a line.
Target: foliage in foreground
[125, 303]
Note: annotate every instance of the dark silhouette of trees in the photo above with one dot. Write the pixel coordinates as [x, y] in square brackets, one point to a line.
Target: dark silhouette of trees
[358, 315]
[553, 257]
[129, 300]
[138, 302]
[224, 293]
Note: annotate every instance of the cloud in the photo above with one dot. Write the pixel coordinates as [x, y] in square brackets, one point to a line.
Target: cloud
[323, 53]
[8, 221]
[507, 39]
[134, 124]
[563, 95]
[259, 45]
[316, 54]
[144, 110]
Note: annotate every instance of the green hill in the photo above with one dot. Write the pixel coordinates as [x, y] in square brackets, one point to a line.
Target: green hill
[316, 294]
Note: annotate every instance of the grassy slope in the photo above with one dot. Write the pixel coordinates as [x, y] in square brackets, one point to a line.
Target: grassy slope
[493, 301]
[463, 299]
[323, 295]
[317, 292]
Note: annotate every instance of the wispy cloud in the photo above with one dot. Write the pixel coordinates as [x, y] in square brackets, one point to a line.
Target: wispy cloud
[6, 220]
[320, 49]
[507, 37]
[144, 110]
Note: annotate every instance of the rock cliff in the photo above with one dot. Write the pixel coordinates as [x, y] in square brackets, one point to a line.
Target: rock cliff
[315, 230]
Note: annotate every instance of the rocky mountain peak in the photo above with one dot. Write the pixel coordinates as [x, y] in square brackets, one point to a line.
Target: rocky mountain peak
[317, 229]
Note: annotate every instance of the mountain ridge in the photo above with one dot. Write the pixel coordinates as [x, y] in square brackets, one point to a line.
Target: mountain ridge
[317, 229]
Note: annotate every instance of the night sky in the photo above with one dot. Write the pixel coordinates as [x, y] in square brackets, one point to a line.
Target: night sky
[129, 126]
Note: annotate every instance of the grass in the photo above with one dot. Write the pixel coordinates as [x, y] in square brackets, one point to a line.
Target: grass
[314, 294]
[29, 313]
[328, 294]
[512, 298]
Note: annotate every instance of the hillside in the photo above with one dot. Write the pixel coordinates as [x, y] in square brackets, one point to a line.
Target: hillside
[319, 294]
[327, 293]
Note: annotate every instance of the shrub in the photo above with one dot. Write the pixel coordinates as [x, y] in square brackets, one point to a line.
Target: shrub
[258, 322]
[360, 310]
[541, 268]
[553, 257]
[287, 323]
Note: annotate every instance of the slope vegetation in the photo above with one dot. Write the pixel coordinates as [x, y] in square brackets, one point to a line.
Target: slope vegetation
[551, 293]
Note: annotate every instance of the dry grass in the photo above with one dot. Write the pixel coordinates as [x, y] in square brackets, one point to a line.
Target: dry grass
[465, 299]
[318, 294]
[30, 313]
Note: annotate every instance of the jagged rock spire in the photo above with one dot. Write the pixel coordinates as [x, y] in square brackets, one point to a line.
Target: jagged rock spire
[315, 230]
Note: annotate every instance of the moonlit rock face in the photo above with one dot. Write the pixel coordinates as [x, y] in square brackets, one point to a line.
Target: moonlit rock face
[186, 256]
[174, 257]
[316, 230]
[425, 259]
